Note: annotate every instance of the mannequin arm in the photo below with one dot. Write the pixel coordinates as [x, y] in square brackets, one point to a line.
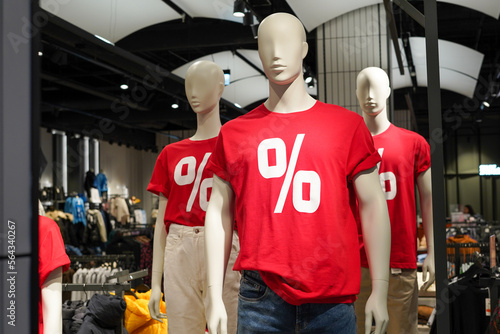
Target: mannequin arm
[218, 237]
[159, 241]
[377, 240]
[424, 185]
[52, 302]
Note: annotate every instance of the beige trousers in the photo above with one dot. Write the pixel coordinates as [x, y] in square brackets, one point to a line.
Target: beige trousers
[185, 281]
[402, 301]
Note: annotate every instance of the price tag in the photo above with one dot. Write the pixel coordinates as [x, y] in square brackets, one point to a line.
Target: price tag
[396, 271]
[488, 307]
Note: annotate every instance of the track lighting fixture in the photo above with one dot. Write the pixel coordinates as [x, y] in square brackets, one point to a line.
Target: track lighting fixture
[239, 8]
[227, 77]
[248, 19]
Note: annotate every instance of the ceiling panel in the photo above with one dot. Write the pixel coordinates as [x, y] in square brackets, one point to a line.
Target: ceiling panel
[247, 91]
[111, 19]
[313, 13]
[226, 60]
[459, 66]
[218, 9]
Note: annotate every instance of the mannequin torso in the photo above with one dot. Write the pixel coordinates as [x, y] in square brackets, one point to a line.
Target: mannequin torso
[182, 182]
[278, 127]
[405, 159]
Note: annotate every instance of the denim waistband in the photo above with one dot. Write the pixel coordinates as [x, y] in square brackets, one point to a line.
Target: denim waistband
[253, 274]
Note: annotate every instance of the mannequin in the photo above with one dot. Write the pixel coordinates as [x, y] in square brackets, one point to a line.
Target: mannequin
[286, 238]
[180, 175]
[53, 261]
[405, 158]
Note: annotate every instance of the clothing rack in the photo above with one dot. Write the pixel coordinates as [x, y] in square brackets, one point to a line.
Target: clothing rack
[123, 284]
[102, 258]
[459, 253]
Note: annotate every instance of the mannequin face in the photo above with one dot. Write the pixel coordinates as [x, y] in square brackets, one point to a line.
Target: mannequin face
[282, 47]
[204, 85]
[372, 90]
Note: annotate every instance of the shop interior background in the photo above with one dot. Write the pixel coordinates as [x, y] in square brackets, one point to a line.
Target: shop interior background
[112, 81]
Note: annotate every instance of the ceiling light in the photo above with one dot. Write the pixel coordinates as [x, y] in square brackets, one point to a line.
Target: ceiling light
[248, 19]
[175, 105]
[227, 77]
[104, 40]
[308, 78]
[239, 8]
[124, 86]
[486, 104]
[40, 53]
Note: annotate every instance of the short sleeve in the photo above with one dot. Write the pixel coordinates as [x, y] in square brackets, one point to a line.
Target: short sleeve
[51, 251]
[159, 180]
[217, 163]
[422, 156]
[362, 153]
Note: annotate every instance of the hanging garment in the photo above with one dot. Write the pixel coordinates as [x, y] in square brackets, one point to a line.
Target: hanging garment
[104, 314]
[147, 261]
[467, 303]
[89, 181]
[76, 207]
[462, 239]
[137, 317]
[68, 312]
[119, 209]
[494, 326]
[101, 183]
[94, 196]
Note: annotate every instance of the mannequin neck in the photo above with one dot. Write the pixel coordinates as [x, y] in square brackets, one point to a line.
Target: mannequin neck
[377, 123]
[208, 125]
[289, 98]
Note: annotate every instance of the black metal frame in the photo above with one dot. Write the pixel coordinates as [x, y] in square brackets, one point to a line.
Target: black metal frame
[429, 22]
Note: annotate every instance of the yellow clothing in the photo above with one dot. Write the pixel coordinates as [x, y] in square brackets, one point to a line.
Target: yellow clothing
[137, 318]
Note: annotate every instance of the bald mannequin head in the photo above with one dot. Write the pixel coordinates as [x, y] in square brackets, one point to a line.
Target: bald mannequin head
[282, 47]
[372, 90]
[204, 86]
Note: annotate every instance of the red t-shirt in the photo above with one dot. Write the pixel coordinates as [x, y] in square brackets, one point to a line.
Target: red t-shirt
[405, 154]
[180, 171]
[51, 255]
[294, 198]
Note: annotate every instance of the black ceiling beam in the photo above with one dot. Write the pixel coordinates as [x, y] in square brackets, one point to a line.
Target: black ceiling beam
[178, 9]
[86, 43]
[174, 36]
[409, 60]
[394, 34]
[89, 90]
[412, 11]
[67, 115]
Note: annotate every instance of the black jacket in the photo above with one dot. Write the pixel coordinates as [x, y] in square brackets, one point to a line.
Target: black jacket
[104, 314]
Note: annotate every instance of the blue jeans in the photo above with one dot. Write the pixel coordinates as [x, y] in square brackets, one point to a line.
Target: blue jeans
[260, 310]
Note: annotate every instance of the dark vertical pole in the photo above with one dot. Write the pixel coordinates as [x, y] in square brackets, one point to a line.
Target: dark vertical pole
[436, 136]
[494, 196]
[19, 155]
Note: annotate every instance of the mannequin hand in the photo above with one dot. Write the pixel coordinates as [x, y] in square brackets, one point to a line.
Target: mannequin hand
[154, 306]
[216, 314]
[376, 307]
[428, 267]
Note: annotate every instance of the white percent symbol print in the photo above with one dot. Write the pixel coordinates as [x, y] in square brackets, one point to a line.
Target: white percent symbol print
[278, 147]
[191, 176]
